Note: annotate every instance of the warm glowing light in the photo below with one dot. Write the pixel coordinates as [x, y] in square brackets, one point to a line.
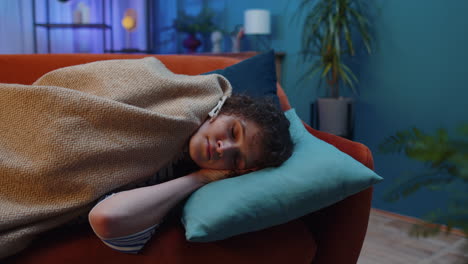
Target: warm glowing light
[128, 23]
[129, 19]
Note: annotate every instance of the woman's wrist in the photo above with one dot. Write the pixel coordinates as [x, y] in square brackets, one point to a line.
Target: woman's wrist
[205, 176]
[199, 179]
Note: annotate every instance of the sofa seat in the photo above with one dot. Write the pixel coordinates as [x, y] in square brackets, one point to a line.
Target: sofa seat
[288, 243]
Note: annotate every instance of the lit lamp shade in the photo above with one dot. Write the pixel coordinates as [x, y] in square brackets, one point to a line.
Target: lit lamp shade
[257, 22]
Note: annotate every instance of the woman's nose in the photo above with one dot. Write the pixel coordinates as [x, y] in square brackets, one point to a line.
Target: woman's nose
[224, 147]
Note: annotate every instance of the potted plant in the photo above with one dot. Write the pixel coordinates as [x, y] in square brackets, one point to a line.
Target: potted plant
[446, 158]
[331, 31]
[191, 25]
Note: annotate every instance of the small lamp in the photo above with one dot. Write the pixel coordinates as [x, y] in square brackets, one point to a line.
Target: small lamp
[129, 23]
[257, 23]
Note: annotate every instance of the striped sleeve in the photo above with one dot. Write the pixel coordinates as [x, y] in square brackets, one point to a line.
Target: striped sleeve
[131, 243]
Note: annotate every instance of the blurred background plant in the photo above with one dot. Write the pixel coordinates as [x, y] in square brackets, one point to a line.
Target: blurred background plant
[446, 159]
[201, 23]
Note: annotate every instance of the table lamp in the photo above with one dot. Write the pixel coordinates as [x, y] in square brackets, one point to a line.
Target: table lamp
[257, 24]
[129, 23]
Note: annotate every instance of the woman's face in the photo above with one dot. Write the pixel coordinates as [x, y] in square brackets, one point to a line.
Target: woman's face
[227, 143]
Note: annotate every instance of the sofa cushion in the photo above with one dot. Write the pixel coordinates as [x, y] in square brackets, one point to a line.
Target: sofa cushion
[255, 76]
[289, 243]
[317, 175]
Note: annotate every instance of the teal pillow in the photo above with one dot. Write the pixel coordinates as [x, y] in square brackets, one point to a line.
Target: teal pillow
[317, 175]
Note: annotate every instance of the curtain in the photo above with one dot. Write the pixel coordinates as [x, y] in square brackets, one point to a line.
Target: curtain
[166, 41]
[15, 27]
[17, 30]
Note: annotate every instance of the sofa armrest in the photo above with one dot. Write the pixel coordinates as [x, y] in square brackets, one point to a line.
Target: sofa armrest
[340, 229]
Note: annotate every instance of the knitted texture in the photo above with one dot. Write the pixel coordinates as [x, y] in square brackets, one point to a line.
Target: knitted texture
[82, 131]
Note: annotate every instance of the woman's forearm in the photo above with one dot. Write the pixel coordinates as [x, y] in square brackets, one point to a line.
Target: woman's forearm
[132, 211]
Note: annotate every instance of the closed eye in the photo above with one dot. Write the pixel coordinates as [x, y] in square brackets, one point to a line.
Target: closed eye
[233, 134]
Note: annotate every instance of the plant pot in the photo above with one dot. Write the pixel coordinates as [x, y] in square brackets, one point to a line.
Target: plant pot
[336, 116]
[191, 43]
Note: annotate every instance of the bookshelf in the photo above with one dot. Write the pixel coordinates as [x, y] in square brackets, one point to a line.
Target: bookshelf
[103, 26]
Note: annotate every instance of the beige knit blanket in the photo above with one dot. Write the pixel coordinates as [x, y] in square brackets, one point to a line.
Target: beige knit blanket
[82, 131]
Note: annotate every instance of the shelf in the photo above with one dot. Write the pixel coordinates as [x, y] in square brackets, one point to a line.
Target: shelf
[129, 51]
[99, 26]
[104, 25]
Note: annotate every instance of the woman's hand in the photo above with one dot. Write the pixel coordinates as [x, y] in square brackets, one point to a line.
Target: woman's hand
[209, 175]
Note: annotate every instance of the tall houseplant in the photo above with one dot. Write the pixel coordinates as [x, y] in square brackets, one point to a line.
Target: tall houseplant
[331, 31]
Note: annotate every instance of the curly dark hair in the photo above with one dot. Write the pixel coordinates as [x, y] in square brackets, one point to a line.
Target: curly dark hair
[276, 140]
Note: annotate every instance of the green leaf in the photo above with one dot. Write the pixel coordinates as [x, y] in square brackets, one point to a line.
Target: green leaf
[363, 27]
[326, 70]
[311, 71]
[348, 38]
[463, 129]
[346, 78]
[350, 72]
[409, 183]
[336, 36]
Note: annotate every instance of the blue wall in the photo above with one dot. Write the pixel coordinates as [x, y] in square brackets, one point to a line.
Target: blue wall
[417, 76]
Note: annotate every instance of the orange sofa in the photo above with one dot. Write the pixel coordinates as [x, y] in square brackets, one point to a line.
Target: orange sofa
[332, 235]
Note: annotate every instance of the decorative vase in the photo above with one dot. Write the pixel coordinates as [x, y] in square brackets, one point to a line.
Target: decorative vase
[216, 38]
[191, 43]
[336, 116]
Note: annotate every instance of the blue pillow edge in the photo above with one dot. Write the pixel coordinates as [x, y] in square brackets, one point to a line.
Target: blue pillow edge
[294, 119]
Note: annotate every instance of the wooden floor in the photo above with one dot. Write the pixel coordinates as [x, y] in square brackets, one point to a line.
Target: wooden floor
[387, 242]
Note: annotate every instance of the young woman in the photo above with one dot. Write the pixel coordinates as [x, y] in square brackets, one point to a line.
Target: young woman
[247, 135]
